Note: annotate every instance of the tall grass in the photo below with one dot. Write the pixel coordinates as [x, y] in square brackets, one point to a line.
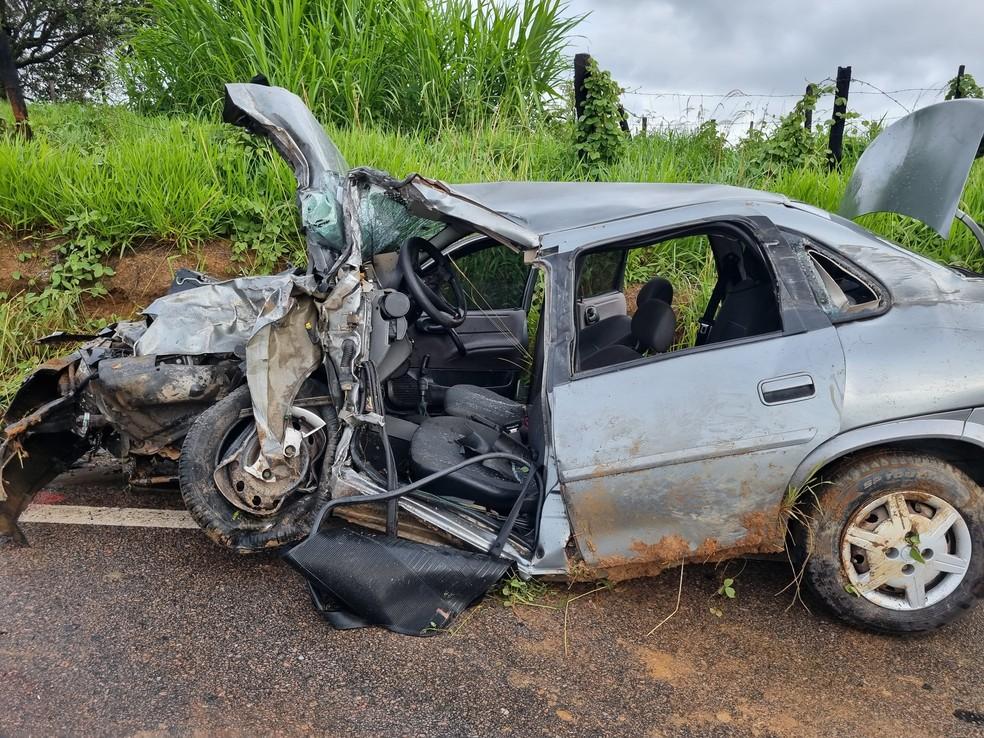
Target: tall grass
[126, 177]
[413, 64]
[20, 326]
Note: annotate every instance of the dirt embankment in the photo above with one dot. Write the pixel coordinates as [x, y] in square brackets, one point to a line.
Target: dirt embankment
[143, 272]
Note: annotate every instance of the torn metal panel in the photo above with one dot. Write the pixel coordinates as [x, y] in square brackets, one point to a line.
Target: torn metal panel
[282, 116]
[279, 358]
[918, 166]
[319, 167]
[30, 459]
[219, 318]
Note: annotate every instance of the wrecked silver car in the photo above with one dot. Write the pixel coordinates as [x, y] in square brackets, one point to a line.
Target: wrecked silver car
[384, 417]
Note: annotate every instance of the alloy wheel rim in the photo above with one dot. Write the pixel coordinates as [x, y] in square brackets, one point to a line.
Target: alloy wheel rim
[906, 550]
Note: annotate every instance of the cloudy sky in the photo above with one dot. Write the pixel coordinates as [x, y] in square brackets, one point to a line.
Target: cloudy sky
[679, 58]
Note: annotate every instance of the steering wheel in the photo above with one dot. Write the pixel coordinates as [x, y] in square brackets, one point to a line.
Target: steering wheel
[426, 289]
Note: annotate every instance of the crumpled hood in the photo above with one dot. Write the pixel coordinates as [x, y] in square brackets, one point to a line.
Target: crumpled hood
[919, 165]
[318, 165]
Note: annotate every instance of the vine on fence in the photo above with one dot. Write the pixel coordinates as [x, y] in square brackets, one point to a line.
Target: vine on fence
[791, 144]
[963, 85]
[599, 138]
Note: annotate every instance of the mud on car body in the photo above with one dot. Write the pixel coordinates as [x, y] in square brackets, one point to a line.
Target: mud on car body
[385, 418]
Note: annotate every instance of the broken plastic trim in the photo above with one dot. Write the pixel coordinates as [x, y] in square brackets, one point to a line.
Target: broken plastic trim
[358, 577]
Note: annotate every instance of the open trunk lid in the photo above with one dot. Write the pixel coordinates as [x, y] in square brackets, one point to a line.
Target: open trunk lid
[919, 165]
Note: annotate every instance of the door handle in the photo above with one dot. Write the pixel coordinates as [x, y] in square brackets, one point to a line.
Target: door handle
[790, 388]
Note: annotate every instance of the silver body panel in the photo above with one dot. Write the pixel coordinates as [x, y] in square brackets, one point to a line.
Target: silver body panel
[678, 457]
[919, 165]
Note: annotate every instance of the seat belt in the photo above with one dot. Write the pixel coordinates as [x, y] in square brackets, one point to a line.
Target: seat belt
[706, 322]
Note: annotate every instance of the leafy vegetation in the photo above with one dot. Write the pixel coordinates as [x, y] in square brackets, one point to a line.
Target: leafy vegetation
[21, 323]
[963, 85]
[599, 139]
[414, 64]
[62, 49]
[791, 144]
[101, 180]
[130, 179]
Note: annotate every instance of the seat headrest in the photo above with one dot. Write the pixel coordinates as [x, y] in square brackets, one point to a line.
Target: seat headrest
[656, 288]
[654, 326]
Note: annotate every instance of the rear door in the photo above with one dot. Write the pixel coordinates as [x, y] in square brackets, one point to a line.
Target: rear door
[494, 347]
[688, 454]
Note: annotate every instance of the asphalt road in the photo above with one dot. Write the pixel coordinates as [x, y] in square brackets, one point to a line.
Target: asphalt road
[151, 632]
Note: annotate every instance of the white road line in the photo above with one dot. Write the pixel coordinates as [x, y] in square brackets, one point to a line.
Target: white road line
[126, 517]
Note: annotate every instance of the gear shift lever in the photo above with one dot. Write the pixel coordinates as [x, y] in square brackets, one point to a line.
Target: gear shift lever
[423, 384]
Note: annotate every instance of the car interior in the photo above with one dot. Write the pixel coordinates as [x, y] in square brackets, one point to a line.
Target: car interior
[457, 394]
[742, 303]
[461, 391]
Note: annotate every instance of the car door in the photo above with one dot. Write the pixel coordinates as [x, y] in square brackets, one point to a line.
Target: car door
[688, 454]
[490, 348]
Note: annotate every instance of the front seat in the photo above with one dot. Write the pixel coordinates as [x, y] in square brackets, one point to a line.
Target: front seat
[443, 441]
[484, 406]
[490, 408]
[616, 330]
[653, 330]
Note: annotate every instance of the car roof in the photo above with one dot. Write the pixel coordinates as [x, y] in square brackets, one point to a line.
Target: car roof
[547, 207]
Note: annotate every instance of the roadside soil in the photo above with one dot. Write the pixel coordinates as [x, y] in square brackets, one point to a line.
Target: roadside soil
[143, 273]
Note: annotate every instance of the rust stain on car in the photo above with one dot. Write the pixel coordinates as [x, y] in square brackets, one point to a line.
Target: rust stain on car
[764, 533]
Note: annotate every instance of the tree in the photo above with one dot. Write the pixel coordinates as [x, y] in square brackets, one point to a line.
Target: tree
[57, 48]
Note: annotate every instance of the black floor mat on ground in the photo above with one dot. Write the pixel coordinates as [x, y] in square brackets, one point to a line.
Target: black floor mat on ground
[359, 577]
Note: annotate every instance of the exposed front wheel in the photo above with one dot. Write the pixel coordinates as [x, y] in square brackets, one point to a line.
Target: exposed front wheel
[234, 509]
[894, 543]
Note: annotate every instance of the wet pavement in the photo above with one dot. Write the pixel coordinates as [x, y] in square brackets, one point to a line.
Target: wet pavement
[152, 632]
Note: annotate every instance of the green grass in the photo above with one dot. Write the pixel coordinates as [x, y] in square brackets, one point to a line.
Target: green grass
[122, 180]
[125, 177]
[20, 326]
[412, 65]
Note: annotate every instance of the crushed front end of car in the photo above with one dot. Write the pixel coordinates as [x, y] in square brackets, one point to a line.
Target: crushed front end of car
[264, 398]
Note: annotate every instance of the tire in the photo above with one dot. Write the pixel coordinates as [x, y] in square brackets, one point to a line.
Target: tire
[851, 542]
[223, 522]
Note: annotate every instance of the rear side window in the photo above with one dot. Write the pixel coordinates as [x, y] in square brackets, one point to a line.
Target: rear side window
[841, 291]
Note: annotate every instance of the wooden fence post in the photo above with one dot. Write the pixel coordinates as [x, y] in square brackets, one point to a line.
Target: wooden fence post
[580, 74]
[10, 82]
[836, 144]
[645, 124]
[958, 93]
[623, 119]
[808, 113]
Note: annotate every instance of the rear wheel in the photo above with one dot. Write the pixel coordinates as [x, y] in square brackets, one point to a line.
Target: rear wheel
[895, 542]
[229, 514]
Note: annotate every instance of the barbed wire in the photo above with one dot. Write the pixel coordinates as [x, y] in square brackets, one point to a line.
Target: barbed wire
[719, 111]
[739, 93]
